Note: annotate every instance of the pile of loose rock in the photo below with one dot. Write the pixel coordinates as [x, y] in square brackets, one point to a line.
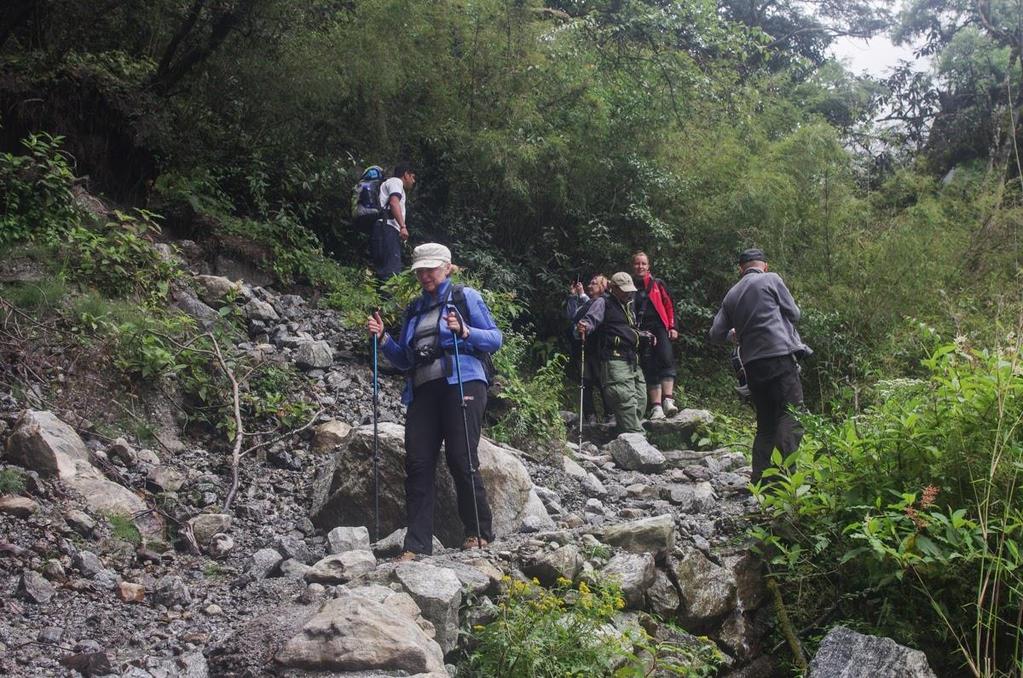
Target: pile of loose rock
[120, 560]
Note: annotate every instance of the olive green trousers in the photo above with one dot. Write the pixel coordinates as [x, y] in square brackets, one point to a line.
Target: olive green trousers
[625, 391]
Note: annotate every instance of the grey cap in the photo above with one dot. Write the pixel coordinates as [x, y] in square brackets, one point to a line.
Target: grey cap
[430, 255]
[623, 281]
[753, 254]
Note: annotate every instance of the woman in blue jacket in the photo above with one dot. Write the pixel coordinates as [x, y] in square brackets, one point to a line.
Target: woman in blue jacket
[425, 350]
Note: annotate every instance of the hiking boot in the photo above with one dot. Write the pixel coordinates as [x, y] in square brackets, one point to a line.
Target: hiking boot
[474, 543]
[407, 556]
[656, 413]
[669, 406]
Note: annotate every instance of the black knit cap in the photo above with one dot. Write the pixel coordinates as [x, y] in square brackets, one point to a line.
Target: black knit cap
[752, 255]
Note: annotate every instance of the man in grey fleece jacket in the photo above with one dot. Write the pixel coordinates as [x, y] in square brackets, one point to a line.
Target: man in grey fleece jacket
[760, 315]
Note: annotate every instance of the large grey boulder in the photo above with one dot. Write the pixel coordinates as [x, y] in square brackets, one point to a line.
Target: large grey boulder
[438, 593]
[683, 425]
[707, 589]
[635, 572]
[690, 497]
[846, 654]
[189, 304]
[633, 452]
[395, 601]
[354, 633]
[213, 289]
[342, 493]
[343, 539]
[205, 525]
[339, 568]
[33, 587]
[647, 535]
[314, 355]
[257, 309]
[662, 596]
[263, 562]
[42, 442]
[329, 435]
[564, 562]
[106, 497]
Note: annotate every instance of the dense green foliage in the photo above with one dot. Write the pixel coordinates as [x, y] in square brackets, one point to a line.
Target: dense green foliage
[570, 631]
[908, 516]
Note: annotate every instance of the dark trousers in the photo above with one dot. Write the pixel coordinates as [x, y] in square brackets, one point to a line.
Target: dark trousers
[385, 249]
[774, 387]
[590, 376]
[435, 416]
[658, 361]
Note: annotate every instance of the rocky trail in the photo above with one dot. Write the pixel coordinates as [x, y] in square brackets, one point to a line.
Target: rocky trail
[288, 581]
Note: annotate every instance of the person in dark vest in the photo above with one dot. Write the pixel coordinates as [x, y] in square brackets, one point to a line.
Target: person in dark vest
[613, 319]
[576, 306]
[760, 315]
[425, 351]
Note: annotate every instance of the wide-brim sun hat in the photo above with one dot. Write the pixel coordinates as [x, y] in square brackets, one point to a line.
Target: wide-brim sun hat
[430, 255]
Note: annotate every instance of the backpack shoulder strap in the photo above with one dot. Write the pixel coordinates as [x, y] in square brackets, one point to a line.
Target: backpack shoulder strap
[457, 296]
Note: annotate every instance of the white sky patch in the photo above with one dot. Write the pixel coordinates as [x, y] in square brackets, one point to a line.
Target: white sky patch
[876, 56]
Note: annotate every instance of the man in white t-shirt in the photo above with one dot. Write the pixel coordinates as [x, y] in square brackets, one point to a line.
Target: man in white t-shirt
[387, 236]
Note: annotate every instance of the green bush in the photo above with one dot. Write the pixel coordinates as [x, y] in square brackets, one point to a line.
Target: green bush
[12, 481]
[117, 259]
[36, 203]
[558, 632]
[566, 631]
[534, 418]
[912, 510]
[271, 394]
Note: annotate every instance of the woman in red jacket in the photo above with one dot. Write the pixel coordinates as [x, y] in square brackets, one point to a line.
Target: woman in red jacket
[655, 313]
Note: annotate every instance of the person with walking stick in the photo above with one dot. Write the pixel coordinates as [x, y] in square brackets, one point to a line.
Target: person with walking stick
[444, 347]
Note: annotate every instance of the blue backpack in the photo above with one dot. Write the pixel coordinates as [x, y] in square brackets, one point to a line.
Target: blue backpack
[366, 195]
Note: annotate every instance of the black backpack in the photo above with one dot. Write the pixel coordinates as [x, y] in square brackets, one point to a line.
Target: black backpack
[456, 298]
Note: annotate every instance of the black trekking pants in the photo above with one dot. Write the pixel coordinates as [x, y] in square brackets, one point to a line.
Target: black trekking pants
[774, 387]
[435, 416]
[658, 361]
[385, 249]
[591, 377]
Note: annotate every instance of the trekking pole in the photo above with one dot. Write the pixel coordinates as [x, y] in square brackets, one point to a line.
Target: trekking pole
[465, 429]
[376, 439]
[582, 388]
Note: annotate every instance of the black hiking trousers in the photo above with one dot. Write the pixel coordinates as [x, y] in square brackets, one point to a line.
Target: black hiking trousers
[774, 387]
[385, 250]
[435, 416]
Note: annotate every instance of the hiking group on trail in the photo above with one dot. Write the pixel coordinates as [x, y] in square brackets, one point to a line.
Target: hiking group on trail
[622, 333]
[638, 334]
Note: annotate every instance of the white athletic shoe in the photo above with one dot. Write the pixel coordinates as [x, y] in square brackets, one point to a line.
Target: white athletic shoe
[656, 413]
[669, 407]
